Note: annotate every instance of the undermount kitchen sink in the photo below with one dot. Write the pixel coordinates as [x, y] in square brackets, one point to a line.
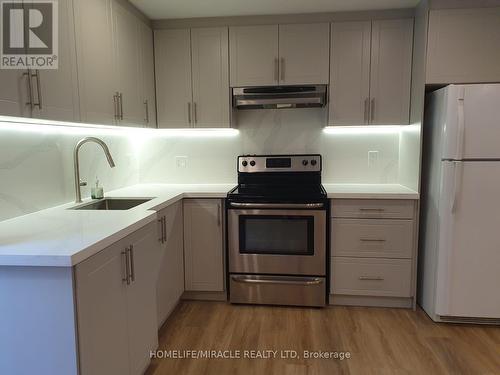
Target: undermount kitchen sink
[112, 204]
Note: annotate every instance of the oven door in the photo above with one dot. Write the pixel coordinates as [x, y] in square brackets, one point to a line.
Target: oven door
[277, 241]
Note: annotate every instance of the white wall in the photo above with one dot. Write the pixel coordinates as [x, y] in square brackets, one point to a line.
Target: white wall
[36, 165]
[213, 159]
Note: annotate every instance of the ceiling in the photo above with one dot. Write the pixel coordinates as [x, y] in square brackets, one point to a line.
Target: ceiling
[168, 9]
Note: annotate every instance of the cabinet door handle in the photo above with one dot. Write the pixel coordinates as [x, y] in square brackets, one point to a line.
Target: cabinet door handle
[189, 113]
[132, 263]
[164, 229]
[36, 75]
[160, 220]
[365, 114]
[120, 101]
[127, 266]
[219, 215]
[376, 278]
[30, 89]
[146, 109]
[276, 69]
[372, 240]
[282, 69]
[195, 113]
[115, 102]
[38, 89]
[372, 110]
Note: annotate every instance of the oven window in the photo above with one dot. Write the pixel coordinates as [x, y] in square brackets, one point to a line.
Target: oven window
[287, 235]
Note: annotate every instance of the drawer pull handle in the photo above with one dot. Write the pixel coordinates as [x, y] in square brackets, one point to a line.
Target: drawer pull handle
[274, 280]
[372, 209]
[377, 278]
[372, 240]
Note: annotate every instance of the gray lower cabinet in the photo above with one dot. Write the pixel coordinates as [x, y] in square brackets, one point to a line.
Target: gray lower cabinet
[116, 306]
[373, 252]
[170, 282]
[204, 245]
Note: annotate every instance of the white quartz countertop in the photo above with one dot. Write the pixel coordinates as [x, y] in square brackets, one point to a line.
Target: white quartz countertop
[370, 191]
[63, 238]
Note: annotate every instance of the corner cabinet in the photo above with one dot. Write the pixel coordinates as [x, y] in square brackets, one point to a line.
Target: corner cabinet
[370, 72]
[116, 306]
[267, 55]
[192, 84]
[111, 69]
[204, 245]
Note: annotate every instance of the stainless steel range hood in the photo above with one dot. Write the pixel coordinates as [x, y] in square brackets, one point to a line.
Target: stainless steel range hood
[277, 97]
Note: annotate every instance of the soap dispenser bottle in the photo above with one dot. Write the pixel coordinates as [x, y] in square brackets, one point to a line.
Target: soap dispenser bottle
[97, 192]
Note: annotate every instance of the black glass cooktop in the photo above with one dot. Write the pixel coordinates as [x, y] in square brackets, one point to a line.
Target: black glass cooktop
[302, 193]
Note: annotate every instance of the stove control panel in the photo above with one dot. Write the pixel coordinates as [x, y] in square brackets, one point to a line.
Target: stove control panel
[279, 163]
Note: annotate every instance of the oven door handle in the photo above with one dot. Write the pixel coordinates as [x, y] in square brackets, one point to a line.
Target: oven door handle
[306, 281]
[277, 205]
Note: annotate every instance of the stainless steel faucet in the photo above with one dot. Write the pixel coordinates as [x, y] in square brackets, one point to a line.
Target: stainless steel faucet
[80, 143]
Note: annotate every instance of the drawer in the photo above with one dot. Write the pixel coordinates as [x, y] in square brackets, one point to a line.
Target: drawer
[277, 290]
[372, 208]
[372, 238]
[371, 277]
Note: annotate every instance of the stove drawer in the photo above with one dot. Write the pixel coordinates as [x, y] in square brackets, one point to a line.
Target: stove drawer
[372, 208]
[277, 290]
[371, 277]
[372, 238]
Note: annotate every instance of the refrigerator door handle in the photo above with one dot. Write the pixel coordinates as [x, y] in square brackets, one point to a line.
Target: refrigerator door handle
[457, 184]
[461, 124]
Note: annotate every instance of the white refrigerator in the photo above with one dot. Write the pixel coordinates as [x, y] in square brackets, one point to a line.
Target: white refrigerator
[459, 257]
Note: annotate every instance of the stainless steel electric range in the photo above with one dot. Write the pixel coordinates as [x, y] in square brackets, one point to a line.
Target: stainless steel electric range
[277, 231]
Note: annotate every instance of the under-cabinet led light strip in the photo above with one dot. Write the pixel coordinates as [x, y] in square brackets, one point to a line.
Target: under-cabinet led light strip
[46, 126]
[370, 129]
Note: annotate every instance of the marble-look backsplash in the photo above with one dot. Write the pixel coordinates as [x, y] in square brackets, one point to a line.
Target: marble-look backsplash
[36, 166]
[36, 161]
[212, 160]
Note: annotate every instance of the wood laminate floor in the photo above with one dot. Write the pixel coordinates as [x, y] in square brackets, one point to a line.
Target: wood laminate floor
[380, 341]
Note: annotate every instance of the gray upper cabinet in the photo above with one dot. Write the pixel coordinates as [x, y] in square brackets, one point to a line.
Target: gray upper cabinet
[55, 92]
[127, 49]
[209, 56]
[14, 93]
[350, 73]
[463, 46]
[254, 56]
[94, 46]
[192, 85]
[390, 73]
[371, 72]
[304, 53]
[105, 70]
[47, 94]
[148, 75]
[269, 55]
[173, 78]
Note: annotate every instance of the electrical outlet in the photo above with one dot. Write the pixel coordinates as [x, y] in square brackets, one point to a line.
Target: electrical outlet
[181, 161]
[372, 159]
